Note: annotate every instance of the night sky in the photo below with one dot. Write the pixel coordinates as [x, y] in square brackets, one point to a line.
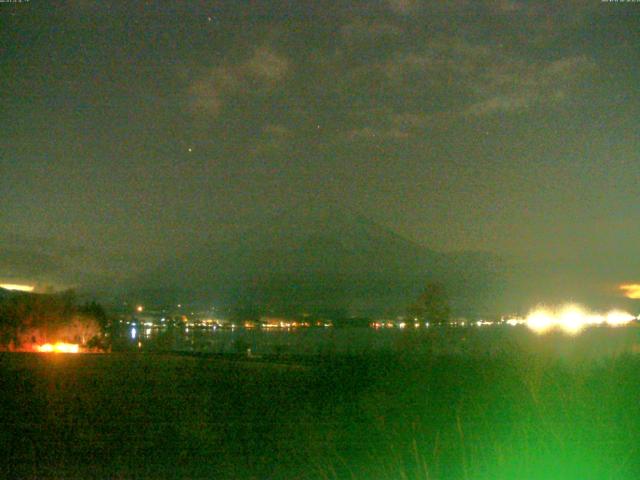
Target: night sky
[130, 132]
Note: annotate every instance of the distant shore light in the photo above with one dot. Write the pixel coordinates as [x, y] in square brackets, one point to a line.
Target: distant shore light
[17, 287]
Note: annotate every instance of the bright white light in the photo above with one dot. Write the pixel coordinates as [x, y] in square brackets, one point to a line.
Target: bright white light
[540, 321]
[17, 287]
[133, 332]
[572, 319]
[616, 317]
[515, 321]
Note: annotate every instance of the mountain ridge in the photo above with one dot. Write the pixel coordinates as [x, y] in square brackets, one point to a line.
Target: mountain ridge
[323, 259]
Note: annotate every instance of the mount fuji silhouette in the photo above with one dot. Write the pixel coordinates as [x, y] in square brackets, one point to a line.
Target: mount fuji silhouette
[315, 260]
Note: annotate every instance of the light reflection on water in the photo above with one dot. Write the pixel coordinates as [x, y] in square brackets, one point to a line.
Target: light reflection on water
[591, 343]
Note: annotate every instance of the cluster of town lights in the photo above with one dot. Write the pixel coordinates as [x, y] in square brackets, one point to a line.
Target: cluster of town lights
[572, 319]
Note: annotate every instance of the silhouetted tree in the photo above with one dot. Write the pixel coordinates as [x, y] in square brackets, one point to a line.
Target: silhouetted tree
[26, 318]
[97, 312]
[432, 305]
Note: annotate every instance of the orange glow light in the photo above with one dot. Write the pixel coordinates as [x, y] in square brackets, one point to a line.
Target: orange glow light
[58, 348]
[631, 290]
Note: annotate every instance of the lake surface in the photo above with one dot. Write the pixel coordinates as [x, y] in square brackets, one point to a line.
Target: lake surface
[481, 341]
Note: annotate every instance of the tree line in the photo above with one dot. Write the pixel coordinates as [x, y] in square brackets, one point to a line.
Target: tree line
[27, 319]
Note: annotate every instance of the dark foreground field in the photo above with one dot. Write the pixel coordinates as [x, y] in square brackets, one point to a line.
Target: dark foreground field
[512, 416]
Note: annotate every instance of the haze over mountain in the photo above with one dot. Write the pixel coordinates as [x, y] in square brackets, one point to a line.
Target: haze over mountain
[319, 259]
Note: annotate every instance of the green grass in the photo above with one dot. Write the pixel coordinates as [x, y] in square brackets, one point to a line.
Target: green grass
[510, 416]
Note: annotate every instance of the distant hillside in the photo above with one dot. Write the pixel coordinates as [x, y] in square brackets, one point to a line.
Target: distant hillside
[319, 260]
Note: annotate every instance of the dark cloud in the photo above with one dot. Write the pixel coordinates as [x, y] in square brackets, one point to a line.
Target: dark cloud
[55, 263]
[261, 72]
